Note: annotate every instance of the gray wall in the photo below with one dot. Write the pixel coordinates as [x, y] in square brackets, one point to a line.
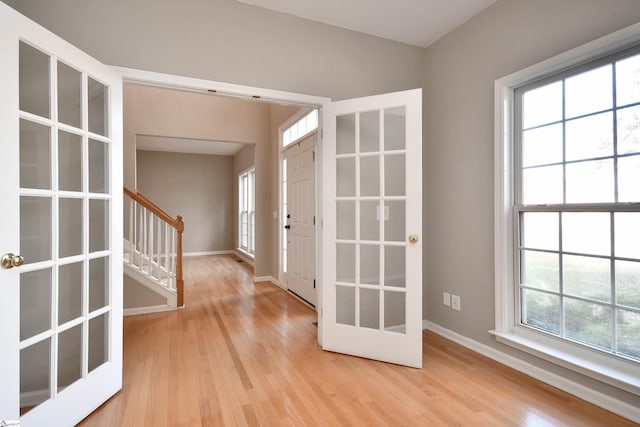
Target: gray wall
[198, 187]
[228, 41]
[460, 71]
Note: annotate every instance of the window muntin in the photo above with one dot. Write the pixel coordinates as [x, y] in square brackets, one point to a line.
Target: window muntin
[577, 205]
[301, 128]
[246, 211]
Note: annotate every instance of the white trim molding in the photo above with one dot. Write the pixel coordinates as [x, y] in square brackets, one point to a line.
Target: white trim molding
[586, 393]
[261, 279]
[244, 257]
[149, 309]
[206, 253]
[609, 369]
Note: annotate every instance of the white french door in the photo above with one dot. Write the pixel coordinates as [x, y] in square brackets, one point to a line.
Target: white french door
[61, 239]
[300, 234]
[372, 212]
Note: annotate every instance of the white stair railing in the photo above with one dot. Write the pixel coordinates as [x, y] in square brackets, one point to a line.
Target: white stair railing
[153, 243]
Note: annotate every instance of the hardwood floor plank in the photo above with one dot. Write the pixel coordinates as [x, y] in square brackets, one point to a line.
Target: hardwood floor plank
[246, 354]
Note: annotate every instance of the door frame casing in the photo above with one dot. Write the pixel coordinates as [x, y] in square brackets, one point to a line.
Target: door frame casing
[169, 81]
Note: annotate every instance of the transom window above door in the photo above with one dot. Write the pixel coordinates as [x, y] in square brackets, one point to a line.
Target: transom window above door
[301, 128]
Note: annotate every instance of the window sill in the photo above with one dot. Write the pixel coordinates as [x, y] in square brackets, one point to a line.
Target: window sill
[609, 369]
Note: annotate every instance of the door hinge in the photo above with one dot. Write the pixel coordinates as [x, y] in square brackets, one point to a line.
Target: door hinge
[314, 155]
[314, 283]
[314, 220]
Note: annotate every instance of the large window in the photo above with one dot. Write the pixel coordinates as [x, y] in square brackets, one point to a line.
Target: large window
[577, 213]
[567, 200]
[246, 209]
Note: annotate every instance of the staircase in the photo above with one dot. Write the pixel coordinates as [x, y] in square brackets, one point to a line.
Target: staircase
[152, 253]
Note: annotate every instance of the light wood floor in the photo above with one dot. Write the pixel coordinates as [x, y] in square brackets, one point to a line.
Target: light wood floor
[245, 354]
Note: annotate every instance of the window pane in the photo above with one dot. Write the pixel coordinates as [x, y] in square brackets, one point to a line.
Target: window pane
[346, 305]
[369, 131]
[542, 145]
[628, 179]
[542, 185]
[369, 220]
[541, 270]
[69, 95]
[98, 107]
[370, 264]
[35, 155]
[346, 220]
[628, 80]
[541, 230]
[627, 234]
[370, 308]
[34, 81]
[394, 128]
[395, 312]
[629, 130]
[587, 277]
[628, 333]
[589, 92]
[312, 120]
[286, 137]
[587, 322]
[395, 266]
[346, 263]
[370, 176]
[590, 182]
[586, 232]
[590, 137]
[69, 161]
[542, 105]
[346, 177]
[541, 310]
[346, 134]
[628, 283]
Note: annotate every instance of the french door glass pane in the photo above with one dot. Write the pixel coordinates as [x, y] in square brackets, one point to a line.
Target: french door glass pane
[370, 308]
[395, 266]
[369, 176]
[346, 305]
[346, 134]
[69, 95]
[369, 131]
[35, 155]
[98, 283]
[395, 311]
[346, 177]
[346, 227]
[627, 234]
[70, 291]
[98, 341]
[370, 264]
[394, 175]
[69, 356]
[98, 225]
[69, 161]
[346, 263]
[394, 226]
[35, 368]
[98, 107]
[69, 233]
[35, 228]
[369, 220]
[34, 81]
[395, 128]
[35, 302]
[589, 323]
[98, 167]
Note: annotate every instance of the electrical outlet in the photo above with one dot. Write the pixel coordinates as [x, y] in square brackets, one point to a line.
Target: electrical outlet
[446, 299]
[455, 302]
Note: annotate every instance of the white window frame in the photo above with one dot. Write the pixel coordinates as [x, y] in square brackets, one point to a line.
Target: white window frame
[247, 200]
[301, 124]
[601, 366]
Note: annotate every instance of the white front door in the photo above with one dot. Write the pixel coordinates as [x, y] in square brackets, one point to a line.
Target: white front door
[61, 239]
[301, 213]
[372, 212]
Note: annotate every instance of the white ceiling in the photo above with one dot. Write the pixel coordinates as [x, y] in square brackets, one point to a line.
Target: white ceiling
[183, 145]
[415, 22]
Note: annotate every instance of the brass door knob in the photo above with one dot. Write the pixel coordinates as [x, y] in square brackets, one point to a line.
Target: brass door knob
[10, 260]
[413, 238]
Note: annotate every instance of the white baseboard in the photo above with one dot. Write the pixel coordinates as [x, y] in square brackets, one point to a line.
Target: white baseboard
[244, 257]
[590, 395]
[148, 310]
[208, 253]
[271, 279]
